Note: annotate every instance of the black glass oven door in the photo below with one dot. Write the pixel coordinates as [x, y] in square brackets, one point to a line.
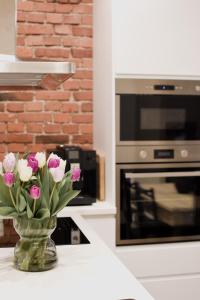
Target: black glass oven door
[158, 117]
[159, 206]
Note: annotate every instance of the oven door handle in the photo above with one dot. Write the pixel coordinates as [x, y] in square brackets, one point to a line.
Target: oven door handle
[129, 175]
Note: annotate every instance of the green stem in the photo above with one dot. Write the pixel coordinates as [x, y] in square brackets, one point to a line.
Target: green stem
[34, 205]
[13, 201]
[52, 195]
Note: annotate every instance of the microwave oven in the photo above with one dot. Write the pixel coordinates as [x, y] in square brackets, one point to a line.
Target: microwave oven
[157, 119]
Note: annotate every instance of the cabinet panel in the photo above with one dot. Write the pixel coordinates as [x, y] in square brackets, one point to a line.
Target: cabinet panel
[175, 288]
[157, 37]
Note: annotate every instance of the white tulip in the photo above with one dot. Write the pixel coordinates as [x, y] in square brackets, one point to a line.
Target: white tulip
[25, 172]
[57, 174]
[41, 158]
[9, 162]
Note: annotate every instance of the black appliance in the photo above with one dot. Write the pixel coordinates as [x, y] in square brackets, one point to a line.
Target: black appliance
[86, 161]
[67, 232]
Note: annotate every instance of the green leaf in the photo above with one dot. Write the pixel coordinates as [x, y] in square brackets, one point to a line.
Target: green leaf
[54, 201]
[45, 187]
[22, 203]
[7, 211]
[4, 194]
[43, 213]
[29, 211]
[64, 200]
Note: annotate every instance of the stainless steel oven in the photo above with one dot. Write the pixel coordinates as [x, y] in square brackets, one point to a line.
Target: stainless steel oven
[157, 161]
[158, 112]
[158, 203]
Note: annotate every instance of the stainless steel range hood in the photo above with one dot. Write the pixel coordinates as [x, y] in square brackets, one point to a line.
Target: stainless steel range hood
[16, 72]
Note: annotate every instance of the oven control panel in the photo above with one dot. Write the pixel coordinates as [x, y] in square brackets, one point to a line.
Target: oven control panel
[162, 153]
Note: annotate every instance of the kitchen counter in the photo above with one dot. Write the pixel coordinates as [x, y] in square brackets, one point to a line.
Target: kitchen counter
[87, 271]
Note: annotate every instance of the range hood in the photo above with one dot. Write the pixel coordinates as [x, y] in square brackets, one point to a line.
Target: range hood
[16, 72]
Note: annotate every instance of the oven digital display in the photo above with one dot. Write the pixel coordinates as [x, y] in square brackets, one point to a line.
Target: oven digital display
[163, 153]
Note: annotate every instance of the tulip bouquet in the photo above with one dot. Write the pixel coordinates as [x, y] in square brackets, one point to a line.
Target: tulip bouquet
[33, 190]
[35, 187]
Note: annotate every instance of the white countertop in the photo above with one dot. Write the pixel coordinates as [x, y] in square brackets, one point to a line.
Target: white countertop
[88, 272]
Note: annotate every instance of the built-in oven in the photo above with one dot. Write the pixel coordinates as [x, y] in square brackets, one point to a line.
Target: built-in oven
[161, 112]
[157, 161]
[158, 203]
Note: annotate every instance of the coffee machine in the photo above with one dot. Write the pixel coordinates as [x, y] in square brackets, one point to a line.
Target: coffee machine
[86, 161]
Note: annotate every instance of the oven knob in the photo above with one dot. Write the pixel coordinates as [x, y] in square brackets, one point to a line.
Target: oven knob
[184, 153]
[143, 154]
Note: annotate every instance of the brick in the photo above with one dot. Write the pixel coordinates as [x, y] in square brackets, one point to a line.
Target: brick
[33, 106]
[52, 128]
[80, 53]
[83, 74]
[13, 147]
[52, 52]
[2, 106]
[87, 63]
[36, 147]
[3, 127]
[72, 19]
[83, 96]
[2, 148]
[15, 107]
[71, 84]
[83, 9]
[20, 41]
[44, 7]
[82, 139]
[21, 16]
[24, 52]
[34, 40]
[20, 96]
[33, 117]
[86, 84]
[52, 139]
[35, 17]
[54, 18]
[85, 118]
[86, 20]
[51, 95]
[63, 29]
[85, 42]
[62, 118]
[70, 41]
[35, 29]
[6, 117]
[86, 128]
[82, 31]
[25, 6]
[19, 138]
[70, 129]
[35, 127]
[13, 127]
[63, 8]
[52, 40]
[52, 106]
[87, 107]
[70, 107]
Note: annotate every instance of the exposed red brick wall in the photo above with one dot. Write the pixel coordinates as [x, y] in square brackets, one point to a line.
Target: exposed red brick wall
[34, 120]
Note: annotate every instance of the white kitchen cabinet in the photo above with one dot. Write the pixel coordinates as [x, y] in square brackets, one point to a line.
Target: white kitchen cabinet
[144, 38]
[156, 38]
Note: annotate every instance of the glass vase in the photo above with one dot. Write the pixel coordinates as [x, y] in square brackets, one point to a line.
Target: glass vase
[35, 251]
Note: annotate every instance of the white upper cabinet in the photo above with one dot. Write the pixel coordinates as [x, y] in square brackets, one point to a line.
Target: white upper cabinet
[156, 37]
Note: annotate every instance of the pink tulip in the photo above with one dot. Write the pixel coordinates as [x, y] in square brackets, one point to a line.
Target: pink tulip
[35, 192]
[76, 172]
[32, 162]
[9, 179]
[53, 163]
